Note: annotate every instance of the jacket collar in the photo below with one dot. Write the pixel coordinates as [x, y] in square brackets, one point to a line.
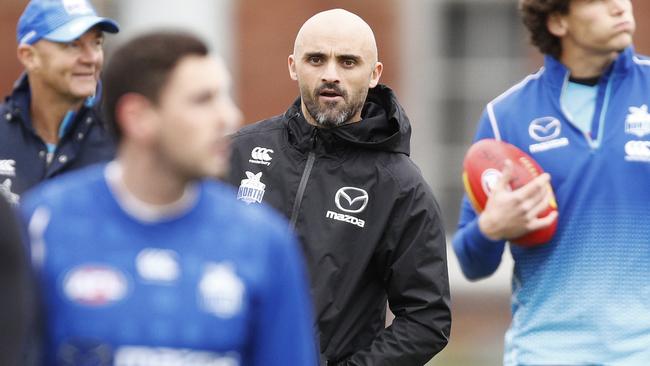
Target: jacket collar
[301, 133]
[20, 100]
[557, 73]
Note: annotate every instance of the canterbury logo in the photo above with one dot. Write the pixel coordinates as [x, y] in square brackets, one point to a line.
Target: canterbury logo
[8, 167]
[637, 151]
[5, 190]
[351, 199]
[261, 155]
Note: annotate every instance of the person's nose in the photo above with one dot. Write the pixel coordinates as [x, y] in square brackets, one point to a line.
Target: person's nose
[330, 73]
[619, 6]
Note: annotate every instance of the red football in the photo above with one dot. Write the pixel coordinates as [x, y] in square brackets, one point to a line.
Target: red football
[482, 168]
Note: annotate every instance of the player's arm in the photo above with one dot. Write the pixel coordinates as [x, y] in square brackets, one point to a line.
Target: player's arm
[283, 331]
[413, 260]
[478, 255]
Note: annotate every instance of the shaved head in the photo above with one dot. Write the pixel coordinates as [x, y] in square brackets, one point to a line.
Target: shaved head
[335, 63]
[338, 24]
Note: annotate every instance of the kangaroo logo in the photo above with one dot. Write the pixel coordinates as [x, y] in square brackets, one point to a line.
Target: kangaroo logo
[251, 189]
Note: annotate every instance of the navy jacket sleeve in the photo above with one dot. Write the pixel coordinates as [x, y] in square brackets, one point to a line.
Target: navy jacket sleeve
[283, 332]
[478, 256]
[413, 261]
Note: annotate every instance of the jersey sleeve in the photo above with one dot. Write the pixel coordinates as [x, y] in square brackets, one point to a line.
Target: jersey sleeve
[477, 255]
[283, 332]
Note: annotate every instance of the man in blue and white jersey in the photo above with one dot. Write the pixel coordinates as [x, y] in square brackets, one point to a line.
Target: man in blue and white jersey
[142, 262]
[583, 298]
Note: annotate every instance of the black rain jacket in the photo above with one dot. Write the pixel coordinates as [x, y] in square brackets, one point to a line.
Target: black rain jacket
[370, 228]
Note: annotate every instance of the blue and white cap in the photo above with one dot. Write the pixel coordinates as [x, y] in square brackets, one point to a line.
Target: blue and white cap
[59, 21]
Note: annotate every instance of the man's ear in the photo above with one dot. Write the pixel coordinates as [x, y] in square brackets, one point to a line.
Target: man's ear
[137, 117]
[291, 62]
[28, 56]
[557, 25]
[376, 74]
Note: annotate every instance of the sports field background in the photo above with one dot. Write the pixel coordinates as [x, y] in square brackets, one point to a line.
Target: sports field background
[444, 58]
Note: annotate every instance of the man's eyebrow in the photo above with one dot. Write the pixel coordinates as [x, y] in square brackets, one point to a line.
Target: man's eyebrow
[313, 54]
[349, 57]
[346, 56]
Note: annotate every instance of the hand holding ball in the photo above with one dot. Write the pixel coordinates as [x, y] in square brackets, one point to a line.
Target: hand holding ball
[482, 169]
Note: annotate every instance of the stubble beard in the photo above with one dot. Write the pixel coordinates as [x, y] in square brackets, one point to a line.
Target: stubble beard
[329, 115]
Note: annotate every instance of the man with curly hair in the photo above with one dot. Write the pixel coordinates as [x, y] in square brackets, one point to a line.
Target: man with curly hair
[583, 298]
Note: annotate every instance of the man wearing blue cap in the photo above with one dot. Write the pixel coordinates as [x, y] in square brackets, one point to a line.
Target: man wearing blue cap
[49, 123]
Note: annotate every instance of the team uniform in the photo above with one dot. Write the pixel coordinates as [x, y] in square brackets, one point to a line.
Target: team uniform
[369, 226]
[583, 298]
[217, 283]
[25, 159]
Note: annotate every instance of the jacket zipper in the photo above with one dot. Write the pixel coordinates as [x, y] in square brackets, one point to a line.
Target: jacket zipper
[311, 157]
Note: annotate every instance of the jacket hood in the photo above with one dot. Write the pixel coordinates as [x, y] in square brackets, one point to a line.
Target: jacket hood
[384, 125]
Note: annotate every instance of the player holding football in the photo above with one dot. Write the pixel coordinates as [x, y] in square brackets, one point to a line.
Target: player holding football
[142, 261]
[584, 297]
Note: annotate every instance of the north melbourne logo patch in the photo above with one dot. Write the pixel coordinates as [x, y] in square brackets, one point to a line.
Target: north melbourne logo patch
[637, 122]
[251, 189]
[221, 290]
